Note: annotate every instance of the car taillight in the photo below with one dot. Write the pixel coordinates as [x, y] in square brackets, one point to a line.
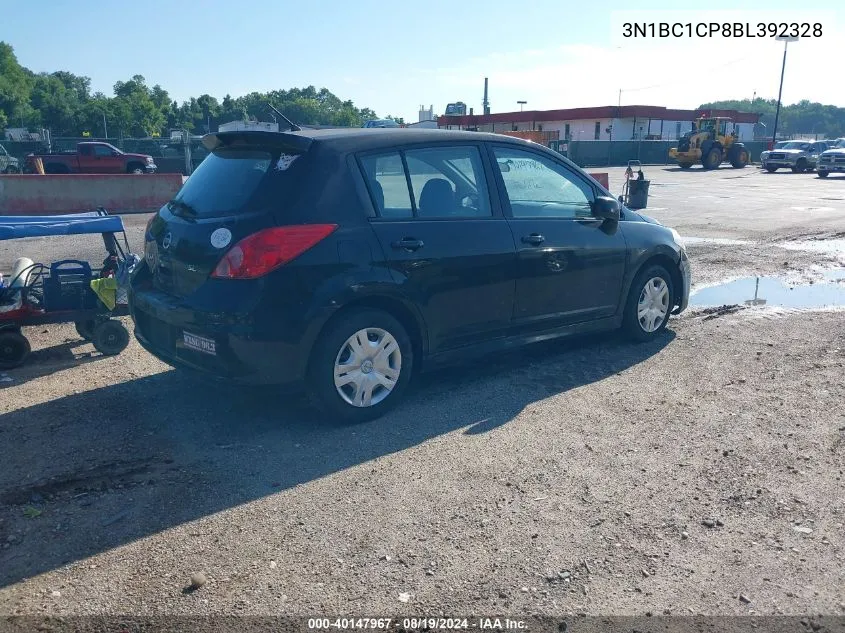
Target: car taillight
[261, 252]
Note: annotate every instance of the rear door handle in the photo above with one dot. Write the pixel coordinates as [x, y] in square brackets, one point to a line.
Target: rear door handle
[535, 239]
[408, 243]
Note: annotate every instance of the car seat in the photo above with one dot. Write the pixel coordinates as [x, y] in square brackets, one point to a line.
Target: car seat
[437, 198]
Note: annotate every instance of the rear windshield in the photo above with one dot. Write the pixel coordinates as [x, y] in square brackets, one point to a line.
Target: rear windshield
[231, 181]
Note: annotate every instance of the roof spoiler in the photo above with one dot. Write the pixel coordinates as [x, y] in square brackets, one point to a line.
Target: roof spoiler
[256, 137]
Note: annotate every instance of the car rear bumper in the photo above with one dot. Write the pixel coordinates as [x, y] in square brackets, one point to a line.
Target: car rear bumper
[241, 353]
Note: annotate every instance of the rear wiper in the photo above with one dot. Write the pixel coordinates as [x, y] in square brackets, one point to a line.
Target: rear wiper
[184, 206]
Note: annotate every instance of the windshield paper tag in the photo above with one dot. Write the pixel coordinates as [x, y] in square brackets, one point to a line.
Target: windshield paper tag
[285, 161]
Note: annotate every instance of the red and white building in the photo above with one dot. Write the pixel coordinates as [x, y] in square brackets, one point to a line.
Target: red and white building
[603, 123]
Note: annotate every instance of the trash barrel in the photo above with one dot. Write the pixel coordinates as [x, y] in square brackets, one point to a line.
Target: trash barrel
[638, 194]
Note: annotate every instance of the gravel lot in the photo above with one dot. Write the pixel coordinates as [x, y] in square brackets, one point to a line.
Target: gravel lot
[702, 473]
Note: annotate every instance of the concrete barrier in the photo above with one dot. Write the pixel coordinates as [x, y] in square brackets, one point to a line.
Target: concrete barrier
[70, 193]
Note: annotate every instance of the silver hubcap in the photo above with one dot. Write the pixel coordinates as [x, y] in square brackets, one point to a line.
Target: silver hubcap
[653, 304]
[367, 367]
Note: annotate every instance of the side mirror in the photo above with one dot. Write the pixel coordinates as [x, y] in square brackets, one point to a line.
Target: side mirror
[606, 208]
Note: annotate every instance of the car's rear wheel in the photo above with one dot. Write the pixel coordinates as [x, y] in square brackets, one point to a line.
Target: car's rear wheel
[11, 169]
[684, 165]
[823, 174]
[14, 349]
[649, 304]
[360, 366]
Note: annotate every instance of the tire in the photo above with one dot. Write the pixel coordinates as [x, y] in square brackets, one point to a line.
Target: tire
[684, 165]
[652, 276]
[110, 338]
[85, 329]
[771, 170]
[739, 158]
[135, 168]
[11, 169]
[712, 159]
[823, 174]
[800, 166]
[333, 348]
[14, 349]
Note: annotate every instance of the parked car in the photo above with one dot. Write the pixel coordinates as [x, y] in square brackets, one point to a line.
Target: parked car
[347, 260]
[831, 160]
[8, 163]
[91, 157]
[381, 123]
[799, 156]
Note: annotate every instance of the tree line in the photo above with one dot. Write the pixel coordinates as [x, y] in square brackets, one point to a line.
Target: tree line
[799, 119]
[63, 103]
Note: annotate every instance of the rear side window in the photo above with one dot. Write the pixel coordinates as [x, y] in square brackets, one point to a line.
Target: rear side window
[230, 181]
[388, 185]
[445, 182]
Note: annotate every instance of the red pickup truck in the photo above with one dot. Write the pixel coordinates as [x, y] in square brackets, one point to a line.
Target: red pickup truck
[93, 158]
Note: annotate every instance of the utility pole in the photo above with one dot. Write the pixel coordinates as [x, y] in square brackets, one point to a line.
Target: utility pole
[105, 127]
[786, 41]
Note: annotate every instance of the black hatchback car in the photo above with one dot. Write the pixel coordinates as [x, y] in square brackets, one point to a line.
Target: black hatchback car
[348, 260]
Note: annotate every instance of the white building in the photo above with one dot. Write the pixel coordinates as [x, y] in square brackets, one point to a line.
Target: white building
[604, 123]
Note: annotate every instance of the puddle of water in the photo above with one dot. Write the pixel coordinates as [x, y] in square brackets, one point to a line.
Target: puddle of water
[829, 247]
[771, 291]
[720, 241]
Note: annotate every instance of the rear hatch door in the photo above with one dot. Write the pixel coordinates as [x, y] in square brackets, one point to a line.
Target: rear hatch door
[239, 189]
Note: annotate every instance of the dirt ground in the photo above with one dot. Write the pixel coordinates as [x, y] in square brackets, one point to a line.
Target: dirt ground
[698, 474]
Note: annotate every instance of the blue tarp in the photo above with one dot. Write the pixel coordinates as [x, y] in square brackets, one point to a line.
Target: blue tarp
[14, 227]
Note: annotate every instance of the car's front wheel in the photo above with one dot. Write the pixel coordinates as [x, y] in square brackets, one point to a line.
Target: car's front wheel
[360, 365]
[823, 174]
[649, 304]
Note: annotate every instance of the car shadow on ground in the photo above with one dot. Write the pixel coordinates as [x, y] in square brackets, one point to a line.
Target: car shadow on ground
[95, 470]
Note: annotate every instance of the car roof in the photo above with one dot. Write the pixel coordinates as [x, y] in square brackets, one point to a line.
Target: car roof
[365, 139]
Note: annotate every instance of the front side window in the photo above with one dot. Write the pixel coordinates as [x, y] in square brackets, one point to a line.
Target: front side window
[102, 150]
[538, 187]
[440, 182]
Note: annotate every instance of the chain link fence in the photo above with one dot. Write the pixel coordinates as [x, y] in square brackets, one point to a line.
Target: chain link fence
[618, 153]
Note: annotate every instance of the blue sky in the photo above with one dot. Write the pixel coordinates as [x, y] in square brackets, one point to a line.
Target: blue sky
[394, 56]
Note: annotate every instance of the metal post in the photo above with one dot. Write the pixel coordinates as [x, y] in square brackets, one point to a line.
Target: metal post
[105, 127]
[186, 138]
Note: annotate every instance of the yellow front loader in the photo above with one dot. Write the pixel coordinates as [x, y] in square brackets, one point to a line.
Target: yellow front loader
[710, 144]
